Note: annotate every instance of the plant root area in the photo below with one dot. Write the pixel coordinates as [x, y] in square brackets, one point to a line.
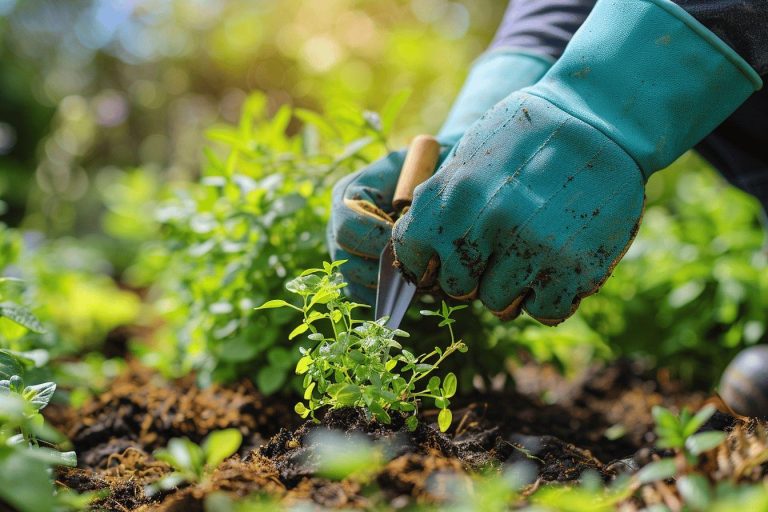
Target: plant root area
[600, 422]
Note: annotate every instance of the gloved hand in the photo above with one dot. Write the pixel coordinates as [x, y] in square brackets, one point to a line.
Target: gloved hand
[360, 224]
[543, 195]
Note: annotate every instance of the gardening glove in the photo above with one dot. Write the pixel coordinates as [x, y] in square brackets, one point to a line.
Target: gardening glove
[543, 195]
[361, 222]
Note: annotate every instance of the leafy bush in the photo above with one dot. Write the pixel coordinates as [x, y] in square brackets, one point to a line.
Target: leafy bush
[257, 215]
[357, 364]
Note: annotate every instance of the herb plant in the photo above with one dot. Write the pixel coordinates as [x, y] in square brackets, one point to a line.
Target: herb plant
[678, 433]
[359, 363]
[195, 463]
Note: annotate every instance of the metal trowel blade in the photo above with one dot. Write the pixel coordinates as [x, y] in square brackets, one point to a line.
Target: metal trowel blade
[394, 293]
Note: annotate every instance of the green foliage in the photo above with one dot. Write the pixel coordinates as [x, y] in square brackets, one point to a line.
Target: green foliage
[257, 216]
[69, 284]
[194, 463]
[25, 476]
[56, 310]
[343, 456]
[591, 495]
[679, 433]
[358, 363]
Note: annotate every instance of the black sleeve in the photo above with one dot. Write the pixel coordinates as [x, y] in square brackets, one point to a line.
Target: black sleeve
[742, 24]
[542, 27]
[545, 26]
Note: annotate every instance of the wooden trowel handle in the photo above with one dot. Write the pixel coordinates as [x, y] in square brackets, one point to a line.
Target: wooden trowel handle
[419, 165]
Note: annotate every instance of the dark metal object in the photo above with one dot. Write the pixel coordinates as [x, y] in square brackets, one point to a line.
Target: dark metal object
[394, 293]
[744, 384]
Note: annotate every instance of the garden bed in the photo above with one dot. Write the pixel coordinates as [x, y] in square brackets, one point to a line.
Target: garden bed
[600, 422]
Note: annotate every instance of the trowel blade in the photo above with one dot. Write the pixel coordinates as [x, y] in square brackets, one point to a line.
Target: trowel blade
[394, 293]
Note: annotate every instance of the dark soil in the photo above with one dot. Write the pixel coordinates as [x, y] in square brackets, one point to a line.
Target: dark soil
[115, 434]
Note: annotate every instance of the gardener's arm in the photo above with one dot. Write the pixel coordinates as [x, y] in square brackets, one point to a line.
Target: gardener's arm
[543, 195]
[360, 226]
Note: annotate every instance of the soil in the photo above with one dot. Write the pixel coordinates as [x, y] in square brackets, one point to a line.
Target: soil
[599, 422]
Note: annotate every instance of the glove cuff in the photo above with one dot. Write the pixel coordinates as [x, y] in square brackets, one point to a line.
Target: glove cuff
[493, 76]
[650, 77]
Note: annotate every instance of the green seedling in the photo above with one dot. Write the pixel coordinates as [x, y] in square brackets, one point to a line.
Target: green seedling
[359, 363]
[26, 482]
[32, 427]
[35, 399]
[194, 463]
[678, 433]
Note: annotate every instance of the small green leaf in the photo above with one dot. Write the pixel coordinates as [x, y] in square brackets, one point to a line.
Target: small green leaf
[698, 420]
[300, 329]
[22, 316]
[344, 394]
[427, 312]
[412, 422]
[705, 441]
[308, 391]
[324, 297]
[664, 418]
[221, 444]
[655, 471]
[379, 413]
[444, 419]
[433, 386]
[270, 379]
[53, 457]
[301, 410]
[450, 383]
[695, 491]
[423, 367]
[40, 394]
[303, 365]
[277, 303]
[9, 365]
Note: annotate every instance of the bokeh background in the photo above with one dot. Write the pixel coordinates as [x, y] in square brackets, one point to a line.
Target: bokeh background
[123, 121]
[92, 86]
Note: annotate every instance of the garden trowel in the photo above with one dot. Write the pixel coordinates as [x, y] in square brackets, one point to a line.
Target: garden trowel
[394, 293]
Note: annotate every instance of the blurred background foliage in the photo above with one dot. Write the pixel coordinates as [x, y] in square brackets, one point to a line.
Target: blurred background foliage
[129, 216]
[93, 85]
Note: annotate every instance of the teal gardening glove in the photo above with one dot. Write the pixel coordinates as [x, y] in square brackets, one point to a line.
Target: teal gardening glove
[543, 195]
[360, 224]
